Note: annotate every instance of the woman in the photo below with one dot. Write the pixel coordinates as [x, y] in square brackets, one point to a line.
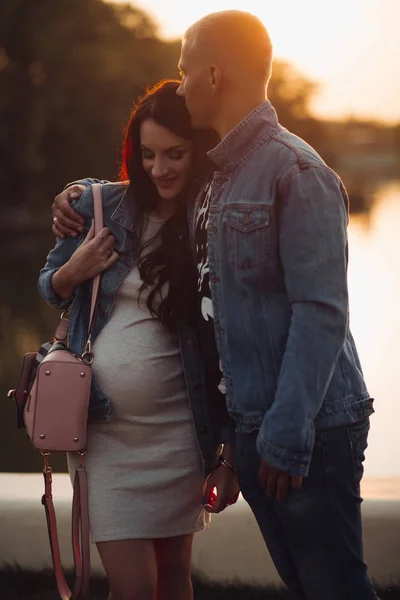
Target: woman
[146, 467]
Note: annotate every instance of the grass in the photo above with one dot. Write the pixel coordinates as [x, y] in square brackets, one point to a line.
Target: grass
[19, 584]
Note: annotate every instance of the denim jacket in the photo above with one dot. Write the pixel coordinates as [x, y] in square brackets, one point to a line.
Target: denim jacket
[119, 217]
[277, 245]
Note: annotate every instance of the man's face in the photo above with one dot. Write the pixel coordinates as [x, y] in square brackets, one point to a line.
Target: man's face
[197, 85]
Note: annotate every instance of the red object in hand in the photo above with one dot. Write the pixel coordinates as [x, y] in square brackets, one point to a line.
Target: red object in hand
[212, 496]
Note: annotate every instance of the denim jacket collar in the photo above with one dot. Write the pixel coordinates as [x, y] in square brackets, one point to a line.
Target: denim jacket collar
[246, 137]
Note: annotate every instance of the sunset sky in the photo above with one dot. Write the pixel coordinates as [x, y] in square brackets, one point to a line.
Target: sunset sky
[352, 47]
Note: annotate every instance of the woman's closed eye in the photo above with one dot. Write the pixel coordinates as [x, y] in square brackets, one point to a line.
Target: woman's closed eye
[173, 154]
[176, 154]
[146, 154]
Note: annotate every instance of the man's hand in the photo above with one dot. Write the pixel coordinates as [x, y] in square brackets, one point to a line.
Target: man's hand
[67, 222]
[277, 484]
[226, 484]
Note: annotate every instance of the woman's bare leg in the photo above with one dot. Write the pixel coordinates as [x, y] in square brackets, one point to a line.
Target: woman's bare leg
[131, 568]
[174, 559]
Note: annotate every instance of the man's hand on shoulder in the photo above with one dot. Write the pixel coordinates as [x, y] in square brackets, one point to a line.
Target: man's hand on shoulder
[277, 484]
[66, 221]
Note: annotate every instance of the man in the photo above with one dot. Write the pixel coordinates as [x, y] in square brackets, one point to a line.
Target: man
[271, 243]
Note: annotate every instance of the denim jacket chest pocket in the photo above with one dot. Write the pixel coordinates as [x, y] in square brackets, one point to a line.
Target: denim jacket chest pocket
[246, 232]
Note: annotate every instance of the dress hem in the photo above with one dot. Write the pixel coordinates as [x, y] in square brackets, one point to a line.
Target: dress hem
[136, 536]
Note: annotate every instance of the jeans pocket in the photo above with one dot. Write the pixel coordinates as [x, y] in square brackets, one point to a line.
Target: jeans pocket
[358, 438]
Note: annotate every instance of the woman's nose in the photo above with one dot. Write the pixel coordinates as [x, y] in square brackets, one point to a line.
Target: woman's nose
[159, 168]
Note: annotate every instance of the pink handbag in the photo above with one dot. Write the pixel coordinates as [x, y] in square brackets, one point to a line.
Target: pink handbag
[52, 402]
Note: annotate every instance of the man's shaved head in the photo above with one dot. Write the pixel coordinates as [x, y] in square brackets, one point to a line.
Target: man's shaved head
[233, 37]
[225, 66]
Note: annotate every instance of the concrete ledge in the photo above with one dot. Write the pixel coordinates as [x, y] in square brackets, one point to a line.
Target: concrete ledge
[230, 550]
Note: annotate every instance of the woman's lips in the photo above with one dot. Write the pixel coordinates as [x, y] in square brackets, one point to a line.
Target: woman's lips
[165, 183]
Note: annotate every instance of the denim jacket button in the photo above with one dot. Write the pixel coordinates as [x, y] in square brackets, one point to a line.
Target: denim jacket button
[190, 343]
[203, 429]
[197, 385]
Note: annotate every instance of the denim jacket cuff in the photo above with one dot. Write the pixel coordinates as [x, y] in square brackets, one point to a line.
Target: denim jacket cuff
[49, 294]
[295, 463]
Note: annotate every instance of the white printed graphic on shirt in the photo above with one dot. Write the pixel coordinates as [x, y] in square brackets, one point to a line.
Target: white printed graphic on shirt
[203, 283]
[201, 226]
[207, 308]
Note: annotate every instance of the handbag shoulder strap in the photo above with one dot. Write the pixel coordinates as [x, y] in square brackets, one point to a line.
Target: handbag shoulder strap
[98, 226]
[62, 328]
[80, 536]
[80, 509]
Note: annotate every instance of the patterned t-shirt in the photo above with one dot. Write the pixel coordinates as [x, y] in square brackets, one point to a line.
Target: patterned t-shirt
[207, 333]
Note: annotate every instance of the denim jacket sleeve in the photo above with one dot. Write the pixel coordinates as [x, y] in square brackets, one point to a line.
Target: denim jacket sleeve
[313, 217]
[61, 254]
[86, 182]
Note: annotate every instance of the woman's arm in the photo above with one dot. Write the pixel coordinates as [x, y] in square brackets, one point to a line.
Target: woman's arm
[73, 261]
[56, 258]
[92, 257]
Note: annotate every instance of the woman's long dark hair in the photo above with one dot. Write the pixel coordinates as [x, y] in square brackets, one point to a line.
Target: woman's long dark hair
[171, 260]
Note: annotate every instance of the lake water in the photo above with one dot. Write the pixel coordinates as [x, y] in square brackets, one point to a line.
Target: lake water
[374, 284]
[374, 287]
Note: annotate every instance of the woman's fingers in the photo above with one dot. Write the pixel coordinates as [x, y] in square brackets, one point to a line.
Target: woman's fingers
[114, 257]
[108, 243]
[89, 236]
[101, 237]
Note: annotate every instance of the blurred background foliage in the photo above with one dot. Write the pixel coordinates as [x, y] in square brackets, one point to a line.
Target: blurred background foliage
[69, 73]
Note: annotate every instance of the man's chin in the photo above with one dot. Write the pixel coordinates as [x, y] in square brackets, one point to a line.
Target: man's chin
[198, 123]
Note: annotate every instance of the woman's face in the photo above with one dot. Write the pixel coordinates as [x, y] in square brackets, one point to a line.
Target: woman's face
[166, 158]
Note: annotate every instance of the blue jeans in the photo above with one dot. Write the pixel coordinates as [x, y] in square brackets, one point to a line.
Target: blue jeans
[315, 535]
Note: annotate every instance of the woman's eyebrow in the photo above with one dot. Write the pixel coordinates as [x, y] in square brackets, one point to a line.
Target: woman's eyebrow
[178, 147]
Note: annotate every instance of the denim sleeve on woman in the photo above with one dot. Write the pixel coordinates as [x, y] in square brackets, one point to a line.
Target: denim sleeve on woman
[86, 182]
[313, 217]
[62, 252]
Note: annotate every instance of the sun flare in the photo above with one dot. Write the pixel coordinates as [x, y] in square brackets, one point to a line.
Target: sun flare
[350, 47]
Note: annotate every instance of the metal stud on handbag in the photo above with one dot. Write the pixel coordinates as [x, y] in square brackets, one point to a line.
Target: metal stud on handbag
[52, 400]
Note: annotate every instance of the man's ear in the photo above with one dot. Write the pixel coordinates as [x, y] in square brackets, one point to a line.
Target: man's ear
[216, 77]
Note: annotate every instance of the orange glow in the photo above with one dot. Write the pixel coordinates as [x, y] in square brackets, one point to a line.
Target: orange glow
[351, 48]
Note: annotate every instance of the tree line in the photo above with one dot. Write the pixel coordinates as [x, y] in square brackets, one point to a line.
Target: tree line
[70, 72]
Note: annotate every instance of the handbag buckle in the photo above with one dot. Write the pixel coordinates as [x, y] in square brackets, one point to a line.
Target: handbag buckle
[87, 355]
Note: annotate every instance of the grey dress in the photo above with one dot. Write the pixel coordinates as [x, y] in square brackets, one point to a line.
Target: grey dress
[144, 467]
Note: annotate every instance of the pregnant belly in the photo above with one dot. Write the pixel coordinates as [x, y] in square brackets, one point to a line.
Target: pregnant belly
[140, 370]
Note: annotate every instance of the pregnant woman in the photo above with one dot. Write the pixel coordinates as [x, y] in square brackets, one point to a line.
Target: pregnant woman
[153, 437]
